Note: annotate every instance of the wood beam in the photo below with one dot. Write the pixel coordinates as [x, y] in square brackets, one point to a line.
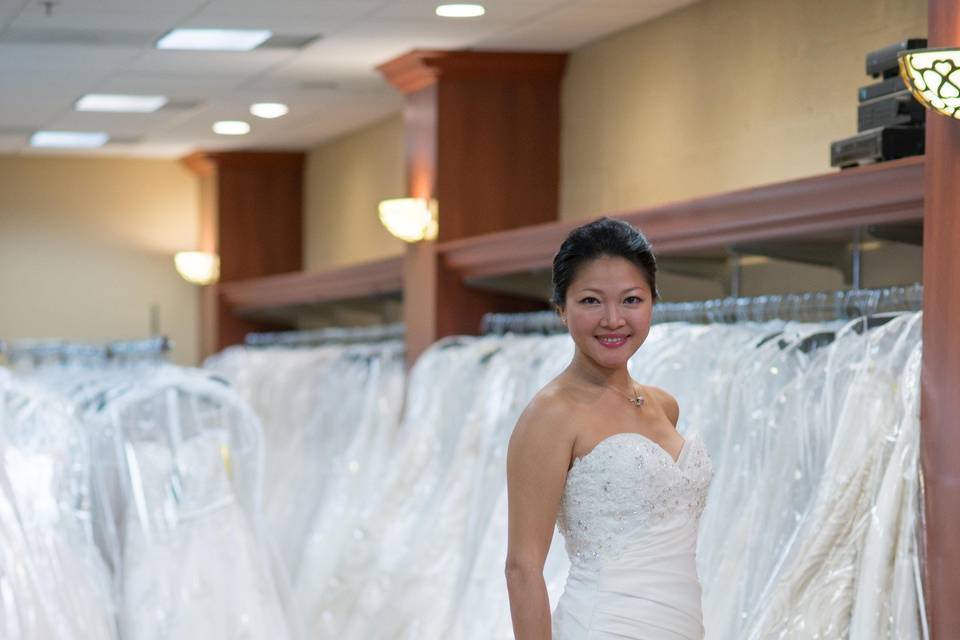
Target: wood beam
[483, 138]
[251, 215]
[940, 402]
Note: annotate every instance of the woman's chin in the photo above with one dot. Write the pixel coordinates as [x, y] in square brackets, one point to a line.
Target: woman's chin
[611, 360]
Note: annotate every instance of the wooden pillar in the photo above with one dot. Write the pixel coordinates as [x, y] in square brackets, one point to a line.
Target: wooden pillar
[251, 214]
[940, 401]
[483, 138]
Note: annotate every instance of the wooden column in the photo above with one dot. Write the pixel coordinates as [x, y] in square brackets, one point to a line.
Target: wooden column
[251, 214]
[483, 138]
[940, 400]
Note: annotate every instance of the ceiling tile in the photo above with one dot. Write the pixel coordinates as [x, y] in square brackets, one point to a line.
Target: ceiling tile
[107, 15]
[92, 62]
[9, 10]
[129, 6]
[205, 63]
[27, 111]
[176, 86]
[331, 85]
[116, 124]
[319, 11]
[496, 10]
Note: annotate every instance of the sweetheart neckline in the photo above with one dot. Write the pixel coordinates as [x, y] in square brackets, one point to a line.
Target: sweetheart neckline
[683, 448]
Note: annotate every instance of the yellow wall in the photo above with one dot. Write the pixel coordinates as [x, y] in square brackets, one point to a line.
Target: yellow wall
[86, 248]
[725, 94]
[345, 179]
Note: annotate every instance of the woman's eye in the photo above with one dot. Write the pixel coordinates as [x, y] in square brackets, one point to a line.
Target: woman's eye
[634, 298]
[588, 299]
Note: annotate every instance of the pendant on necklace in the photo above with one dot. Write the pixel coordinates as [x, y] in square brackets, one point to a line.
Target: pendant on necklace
[638, 401]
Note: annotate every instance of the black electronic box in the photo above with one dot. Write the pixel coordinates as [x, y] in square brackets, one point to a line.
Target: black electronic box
[877, 145]
[890, 122]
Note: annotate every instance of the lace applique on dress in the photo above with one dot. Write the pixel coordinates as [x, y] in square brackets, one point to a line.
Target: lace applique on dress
[625, 483]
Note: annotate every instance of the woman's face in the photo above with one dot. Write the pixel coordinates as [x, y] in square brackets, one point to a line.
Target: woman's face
[608, 309]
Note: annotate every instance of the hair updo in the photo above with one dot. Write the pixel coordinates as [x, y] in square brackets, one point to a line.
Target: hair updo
[602, 237]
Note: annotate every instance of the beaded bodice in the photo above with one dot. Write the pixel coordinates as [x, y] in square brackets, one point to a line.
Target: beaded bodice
[625, 484]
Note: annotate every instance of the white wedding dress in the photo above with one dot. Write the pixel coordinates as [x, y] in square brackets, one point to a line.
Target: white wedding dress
[630, 514]
[193, 566]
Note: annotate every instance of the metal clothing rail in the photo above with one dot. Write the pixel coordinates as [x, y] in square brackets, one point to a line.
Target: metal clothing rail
[40, 352]
[332, 335]
[804, 307]
[133, 348]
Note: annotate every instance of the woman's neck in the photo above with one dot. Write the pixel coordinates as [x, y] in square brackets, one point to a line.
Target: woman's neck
[588, 371]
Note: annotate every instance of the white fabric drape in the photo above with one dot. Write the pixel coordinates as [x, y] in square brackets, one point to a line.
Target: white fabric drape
[811, 520]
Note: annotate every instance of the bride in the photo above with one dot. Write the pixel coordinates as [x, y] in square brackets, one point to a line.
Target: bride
[600, 455]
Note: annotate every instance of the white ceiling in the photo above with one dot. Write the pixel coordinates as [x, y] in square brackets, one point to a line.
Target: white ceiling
[331, 85]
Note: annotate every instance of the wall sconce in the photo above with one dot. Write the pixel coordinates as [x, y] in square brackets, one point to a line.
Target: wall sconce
[933, 77]
[410, 219]
[198, 267]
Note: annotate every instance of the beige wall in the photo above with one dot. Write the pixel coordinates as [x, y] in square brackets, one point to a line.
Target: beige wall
[345, 180]
[723, 95]
[86, 249]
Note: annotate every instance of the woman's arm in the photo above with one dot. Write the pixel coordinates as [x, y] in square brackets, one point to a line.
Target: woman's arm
[537, 461]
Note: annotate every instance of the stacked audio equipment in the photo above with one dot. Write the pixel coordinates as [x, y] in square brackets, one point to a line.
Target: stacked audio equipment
[890, 123]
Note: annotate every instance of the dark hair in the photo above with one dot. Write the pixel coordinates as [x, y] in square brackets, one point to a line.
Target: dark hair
[602, 237]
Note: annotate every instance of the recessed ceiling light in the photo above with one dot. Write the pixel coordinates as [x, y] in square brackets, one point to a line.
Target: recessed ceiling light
[231, 127]
[117, 103]
[214, 39]
[68, 139]
[269, 109]
[460, 10]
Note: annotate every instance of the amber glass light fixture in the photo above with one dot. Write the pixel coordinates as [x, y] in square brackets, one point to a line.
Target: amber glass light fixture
[933, 77]
[198, 267]
[410, 219]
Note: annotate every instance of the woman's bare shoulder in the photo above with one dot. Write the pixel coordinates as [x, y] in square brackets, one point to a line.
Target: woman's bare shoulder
[666, 401]
[552, 411]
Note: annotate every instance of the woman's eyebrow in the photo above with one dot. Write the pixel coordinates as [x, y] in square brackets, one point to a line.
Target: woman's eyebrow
[599, 291]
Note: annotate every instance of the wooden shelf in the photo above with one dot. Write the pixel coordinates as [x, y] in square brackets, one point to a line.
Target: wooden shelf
[382, 278]
[821, 207]
[881, 194]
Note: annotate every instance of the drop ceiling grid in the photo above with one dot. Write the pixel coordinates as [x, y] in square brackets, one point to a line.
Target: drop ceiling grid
[9, 11]
[331, 85]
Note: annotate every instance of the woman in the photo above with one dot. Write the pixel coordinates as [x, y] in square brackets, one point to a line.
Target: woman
[600, 455]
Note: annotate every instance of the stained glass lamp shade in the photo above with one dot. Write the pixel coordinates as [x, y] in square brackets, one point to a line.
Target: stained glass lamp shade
[933, 77]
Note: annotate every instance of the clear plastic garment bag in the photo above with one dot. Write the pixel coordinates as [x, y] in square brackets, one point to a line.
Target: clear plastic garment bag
[811, 522]
[54, 583]
[184, 480]
[331, 415]
[812, 517]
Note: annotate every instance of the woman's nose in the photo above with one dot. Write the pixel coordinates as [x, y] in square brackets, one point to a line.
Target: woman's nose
[611, 317]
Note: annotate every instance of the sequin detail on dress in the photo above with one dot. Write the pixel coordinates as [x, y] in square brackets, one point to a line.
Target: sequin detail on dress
[629, 515]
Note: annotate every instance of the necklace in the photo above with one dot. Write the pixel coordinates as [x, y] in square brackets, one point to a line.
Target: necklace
[637, 400]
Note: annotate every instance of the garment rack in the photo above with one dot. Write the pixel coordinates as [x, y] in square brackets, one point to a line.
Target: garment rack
[62, 352]
[331, 335]
[803, 307]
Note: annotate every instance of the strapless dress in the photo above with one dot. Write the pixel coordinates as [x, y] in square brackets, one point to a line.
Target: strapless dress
[629, 516]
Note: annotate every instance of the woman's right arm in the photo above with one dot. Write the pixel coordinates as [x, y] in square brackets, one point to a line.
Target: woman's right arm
[537, 461]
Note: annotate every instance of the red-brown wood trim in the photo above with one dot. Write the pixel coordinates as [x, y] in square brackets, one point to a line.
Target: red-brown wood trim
[199, 162]
[205, 163]
[288, 160]
[940, 375]
[304, 288]
[420, 68]
[882, 193]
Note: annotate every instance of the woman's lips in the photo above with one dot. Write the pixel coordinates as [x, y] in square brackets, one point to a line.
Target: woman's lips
[612, 343]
